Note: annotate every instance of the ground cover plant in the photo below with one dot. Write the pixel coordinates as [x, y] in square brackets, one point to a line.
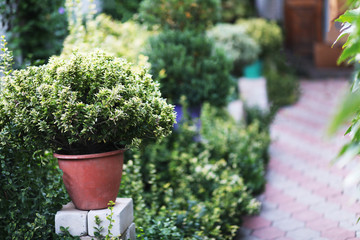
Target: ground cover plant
[198, 189]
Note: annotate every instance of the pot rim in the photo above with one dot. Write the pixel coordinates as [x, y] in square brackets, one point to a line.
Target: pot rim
[87, 156]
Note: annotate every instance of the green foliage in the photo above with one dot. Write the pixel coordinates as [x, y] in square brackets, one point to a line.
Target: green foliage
[118, 39]
[350, 106]
[238, 46]
[36, 28]
[31, 193]
[185, 64]
[121, 10]
[235, 9]
[7, 60]
[266, 33]
[186, 189]
[282, 83]
[245, 149]
[180, 14]
[87, 103]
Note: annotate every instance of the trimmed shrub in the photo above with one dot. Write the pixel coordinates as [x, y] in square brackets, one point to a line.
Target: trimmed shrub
[85, 104]
[185, 64]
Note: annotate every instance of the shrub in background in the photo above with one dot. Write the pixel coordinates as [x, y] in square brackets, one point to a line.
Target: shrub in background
[185, 64]
[125, 40]
[180, 14]
[237, 44]
[196, 189]
[282, 83]
[36, 28]
[120, 10]
[235, 9]
[266, 33]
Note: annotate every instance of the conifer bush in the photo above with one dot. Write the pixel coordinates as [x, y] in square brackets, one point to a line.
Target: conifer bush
[186, 63]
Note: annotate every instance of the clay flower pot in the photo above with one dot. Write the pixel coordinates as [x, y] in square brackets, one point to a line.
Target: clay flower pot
[92, 180]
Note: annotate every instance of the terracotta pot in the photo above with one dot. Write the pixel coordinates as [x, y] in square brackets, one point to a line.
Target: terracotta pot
[92, 180]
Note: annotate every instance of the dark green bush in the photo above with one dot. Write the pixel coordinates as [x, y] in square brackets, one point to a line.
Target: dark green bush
[235, 9]
[36, 28]
[121, 10]
[31, 193]
[282, 83]
[185, 64]
[180, 14]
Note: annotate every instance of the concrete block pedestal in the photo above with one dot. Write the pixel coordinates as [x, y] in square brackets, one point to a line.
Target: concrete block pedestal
[254, 93]
[82, 223]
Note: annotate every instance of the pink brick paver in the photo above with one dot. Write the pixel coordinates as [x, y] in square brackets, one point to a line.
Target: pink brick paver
[304, 197]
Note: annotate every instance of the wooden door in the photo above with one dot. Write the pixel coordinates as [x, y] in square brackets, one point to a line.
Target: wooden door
[303, 25]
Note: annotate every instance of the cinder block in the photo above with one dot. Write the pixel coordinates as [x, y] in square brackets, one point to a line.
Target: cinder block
[236, 110]
[129, 233]
[74, 219]
[254, 93]
[122, 215]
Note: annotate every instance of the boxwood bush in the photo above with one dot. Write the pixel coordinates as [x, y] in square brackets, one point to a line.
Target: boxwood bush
[85, 104]
[186, 64]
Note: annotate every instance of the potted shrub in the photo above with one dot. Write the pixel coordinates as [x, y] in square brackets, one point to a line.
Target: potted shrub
[87, 106]
[237, 44]
[267, 34]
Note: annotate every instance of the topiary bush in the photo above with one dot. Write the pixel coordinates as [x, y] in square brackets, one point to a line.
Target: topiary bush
[179, 14]
[266, 33]
[88, 103]
[238, 46]
[185, 64]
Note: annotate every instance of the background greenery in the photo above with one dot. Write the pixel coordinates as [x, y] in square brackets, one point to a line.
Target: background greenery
[221, 163]
[36, 28]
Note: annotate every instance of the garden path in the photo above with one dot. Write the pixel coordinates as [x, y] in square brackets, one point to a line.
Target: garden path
[305, 197]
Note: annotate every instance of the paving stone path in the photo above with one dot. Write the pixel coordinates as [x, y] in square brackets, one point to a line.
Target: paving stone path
[305, 197]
